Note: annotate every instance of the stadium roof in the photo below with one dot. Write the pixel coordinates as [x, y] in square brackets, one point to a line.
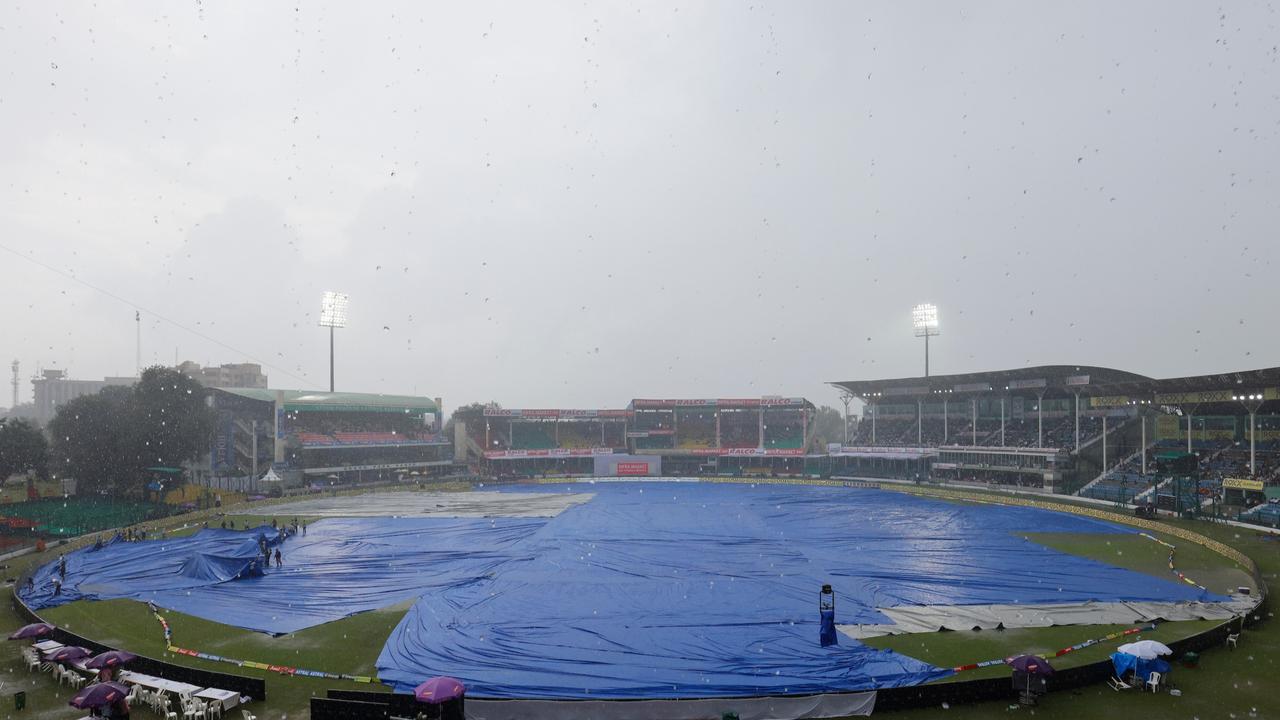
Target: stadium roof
[311, 401]
[1087, 380]
[1031, 379]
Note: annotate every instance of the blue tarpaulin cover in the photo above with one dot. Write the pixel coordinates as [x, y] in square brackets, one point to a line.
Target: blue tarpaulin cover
[648, 590]
[1124, 663]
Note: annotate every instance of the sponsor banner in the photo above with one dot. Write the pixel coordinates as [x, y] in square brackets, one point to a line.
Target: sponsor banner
[916, 390]
[637, 434]
[552, 453]
[1193, 397]
[1026, 384]
[386, 466]
[1242, 484]
[1109, 401]
[1077, 380]
[552, 413]
[223, 453]
[972, 387]
[633, 468]
[761, 451]
[770, 401]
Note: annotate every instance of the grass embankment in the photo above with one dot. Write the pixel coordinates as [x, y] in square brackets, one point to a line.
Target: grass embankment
[1227, 684]
[349, 646]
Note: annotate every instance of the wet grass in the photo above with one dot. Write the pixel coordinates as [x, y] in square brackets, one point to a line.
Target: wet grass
[349, 646]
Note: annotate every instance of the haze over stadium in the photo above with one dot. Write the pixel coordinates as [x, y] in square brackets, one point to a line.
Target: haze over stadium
[777, 181]
[551, 360]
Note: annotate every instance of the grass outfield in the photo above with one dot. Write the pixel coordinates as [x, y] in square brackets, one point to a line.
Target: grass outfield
[1226, 682]
[952, 649]
[1229, 684]
[350, 646]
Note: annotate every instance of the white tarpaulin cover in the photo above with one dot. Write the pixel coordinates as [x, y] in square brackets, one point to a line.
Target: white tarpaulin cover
[932, 618]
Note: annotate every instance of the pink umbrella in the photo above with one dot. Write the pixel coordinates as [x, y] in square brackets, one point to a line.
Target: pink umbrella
[33, 630]
[439, 690]
[110, 658]
[99, 694]
[69, 653]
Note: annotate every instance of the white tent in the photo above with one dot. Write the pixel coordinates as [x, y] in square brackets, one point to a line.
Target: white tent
[271, 476]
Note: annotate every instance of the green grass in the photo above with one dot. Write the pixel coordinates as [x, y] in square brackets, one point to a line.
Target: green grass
[1134, 552]
[952, 649]
[1227, 684]
[349, 646]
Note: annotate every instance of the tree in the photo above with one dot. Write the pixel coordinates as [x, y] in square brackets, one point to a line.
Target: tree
[470, 414]
[94, 441]
[175, 421]
[828, 427]
[23, 449]
[108, 440]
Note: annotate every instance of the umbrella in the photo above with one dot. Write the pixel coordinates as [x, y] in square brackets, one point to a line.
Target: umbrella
[69, 653]
[32, 630]
[1145, 649]
[439, 690]
[99, 694]
[1031, 664]
[110, 658]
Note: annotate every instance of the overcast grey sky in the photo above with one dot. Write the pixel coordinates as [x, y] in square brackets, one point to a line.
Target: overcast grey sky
[573, 205]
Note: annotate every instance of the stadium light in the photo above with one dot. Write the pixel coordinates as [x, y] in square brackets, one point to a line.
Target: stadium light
[924, 318]
[333, 314]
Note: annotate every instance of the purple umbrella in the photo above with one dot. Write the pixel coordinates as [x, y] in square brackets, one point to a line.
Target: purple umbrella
[33, 630]
[99, 694]
[439, 690]
[1031, 665]
[110, 659]
[69, 653]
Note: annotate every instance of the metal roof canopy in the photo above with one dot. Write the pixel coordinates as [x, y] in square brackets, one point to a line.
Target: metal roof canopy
[1032, 380]
[312, 401]
[1057, 380]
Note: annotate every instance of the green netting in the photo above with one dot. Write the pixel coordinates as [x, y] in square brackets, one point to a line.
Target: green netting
[74, 515]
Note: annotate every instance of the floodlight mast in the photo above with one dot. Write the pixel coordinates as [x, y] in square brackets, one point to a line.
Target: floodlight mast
[924, 318]
[333, 314]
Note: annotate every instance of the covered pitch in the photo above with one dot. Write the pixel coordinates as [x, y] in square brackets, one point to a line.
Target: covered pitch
[629, 590]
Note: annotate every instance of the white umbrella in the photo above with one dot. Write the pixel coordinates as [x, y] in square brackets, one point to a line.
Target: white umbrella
[1145, 649]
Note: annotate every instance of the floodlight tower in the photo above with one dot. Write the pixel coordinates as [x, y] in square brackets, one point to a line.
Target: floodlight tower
[333, 314]
[924, 318]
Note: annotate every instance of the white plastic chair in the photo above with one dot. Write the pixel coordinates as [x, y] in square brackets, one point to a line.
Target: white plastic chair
[1153, 681]
[248, 715]
[33, 661]
[1232, 639]
[213, 709]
